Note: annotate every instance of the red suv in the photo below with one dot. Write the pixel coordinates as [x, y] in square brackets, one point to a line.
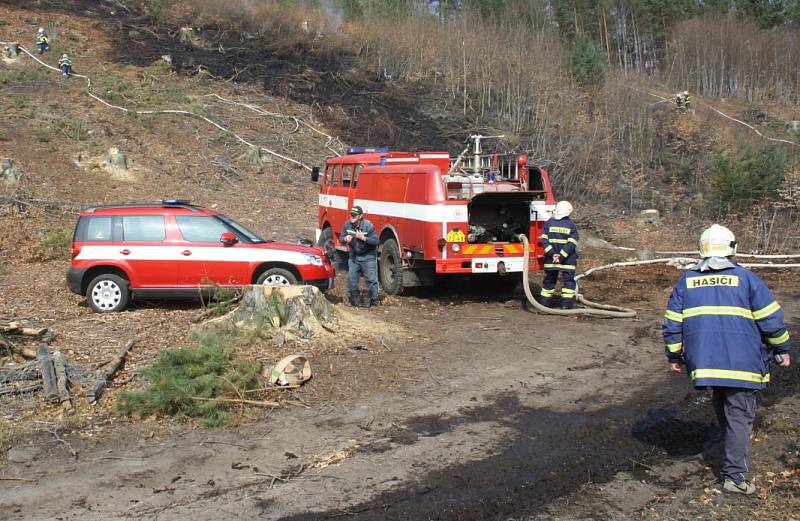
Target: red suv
[175, 249]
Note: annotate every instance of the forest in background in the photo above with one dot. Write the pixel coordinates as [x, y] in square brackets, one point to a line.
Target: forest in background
[584, 88]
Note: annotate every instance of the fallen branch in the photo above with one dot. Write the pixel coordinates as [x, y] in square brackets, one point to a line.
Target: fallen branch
[59, 439]
[254, 403]
[14, 478]
[13, 390]
[101, 383]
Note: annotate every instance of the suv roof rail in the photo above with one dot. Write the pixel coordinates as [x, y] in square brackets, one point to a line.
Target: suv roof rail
[163, 204]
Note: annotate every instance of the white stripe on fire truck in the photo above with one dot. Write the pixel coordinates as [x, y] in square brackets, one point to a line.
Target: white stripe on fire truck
[333, 201]
[199, 253]
[402, 160]
[434, 156]
[417, 212]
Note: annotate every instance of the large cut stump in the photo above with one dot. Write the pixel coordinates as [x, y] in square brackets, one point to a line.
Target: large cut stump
[301, 311]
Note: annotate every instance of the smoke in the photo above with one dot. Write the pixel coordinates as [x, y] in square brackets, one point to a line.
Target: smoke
[332, 15]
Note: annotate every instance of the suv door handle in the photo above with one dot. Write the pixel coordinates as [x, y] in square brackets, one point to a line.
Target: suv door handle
[126, 252]
[186, 253]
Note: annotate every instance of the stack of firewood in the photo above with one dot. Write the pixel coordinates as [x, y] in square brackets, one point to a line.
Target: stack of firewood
[47, 370]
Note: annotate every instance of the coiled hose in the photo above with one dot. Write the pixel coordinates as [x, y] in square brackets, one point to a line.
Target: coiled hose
[592, 308]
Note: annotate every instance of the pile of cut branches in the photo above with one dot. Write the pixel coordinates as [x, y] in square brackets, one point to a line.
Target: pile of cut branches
[206, 381]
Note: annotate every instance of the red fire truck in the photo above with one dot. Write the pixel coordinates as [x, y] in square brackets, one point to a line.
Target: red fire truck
[437, 215]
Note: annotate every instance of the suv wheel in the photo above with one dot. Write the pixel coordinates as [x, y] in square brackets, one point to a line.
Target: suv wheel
[107, 293]
[277, 277]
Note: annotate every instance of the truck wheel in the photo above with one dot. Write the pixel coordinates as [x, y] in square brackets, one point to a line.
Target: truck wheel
[276, 277]
[107, 293]
[390, 269]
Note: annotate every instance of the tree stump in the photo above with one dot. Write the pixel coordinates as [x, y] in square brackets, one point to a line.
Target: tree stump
[300, 311]
[11, 50]
[9, 173]
[117, 159]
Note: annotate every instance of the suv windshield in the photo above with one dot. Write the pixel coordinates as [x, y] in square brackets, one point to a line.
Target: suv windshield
[240, 229]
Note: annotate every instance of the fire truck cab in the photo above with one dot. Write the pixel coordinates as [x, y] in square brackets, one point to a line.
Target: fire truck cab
[437, 215]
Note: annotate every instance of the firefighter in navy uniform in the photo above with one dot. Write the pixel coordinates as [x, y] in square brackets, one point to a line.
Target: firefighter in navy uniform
[723, 324]
[560, 242]
[42, 41]
[362, 241]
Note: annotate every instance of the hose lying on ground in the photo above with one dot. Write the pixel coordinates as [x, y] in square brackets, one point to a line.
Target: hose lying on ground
[592, 308]
[167, 111]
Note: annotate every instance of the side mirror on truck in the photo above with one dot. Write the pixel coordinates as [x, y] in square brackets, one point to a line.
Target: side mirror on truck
[314, 174]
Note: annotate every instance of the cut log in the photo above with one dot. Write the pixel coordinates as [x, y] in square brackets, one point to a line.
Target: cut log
[300, 311]
[60, 366]
[104, 376]
[47, 370]
[28, 354]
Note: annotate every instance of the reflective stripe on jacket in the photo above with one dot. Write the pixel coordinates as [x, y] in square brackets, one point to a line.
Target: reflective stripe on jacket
[560, 236]
[724, 324]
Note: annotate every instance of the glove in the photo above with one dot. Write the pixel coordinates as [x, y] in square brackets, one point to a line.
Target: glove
[556, 259]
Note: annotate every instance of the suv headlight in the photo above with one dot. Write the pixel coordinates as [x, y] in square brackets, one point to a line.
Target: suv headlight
[310, 258]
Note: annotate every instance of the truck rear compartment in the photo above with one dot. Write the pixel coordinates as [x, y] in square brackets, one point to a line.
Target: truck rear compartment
[499, 217]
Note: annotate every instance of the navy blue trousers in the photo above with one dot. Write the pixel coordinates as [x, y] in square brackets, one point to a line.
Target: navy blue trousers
[549, 285]
[368, 267]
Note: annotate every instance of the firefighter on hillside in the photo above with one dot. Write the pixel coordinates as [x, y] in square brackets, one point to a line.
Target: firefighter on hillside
[723, 324]
[683, 101]
[560, 242]
[42, 41]
[65, 65]
[362, 241]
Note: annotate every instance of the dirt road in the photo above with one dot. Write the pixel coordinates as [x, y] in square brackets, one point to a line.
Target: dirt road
[485, 411]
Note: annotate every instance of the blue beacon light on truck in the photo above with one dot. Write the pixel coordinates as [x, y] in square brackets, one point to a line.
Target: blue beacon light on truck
[367, 150]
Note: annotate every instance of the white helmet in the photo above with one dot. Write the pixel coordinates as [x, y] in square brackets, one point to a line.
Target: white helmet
[563, 209]
[64, 55]
[717, 241]
[41, 29]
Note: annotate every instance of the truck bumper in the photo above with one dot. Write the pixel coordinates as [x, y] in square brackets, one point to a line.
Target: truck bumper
[484, 265]
[74, 278]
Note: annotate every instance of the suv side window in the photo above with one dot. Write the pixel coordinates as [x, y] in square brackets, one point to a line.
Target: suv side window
[98, 229]
[143, 228]
[200, 228]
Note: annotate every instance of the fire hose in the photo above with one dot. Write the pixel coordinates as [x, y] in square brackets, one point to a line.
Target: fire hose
[591, 309]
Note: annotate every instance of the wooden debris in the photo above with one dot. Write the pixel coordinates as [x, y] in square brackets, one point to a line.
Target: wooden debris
[101, 383]
[254, 403]
[13, 389]
[14, 478]
[60, 366]
[47, 370]
[20, 328]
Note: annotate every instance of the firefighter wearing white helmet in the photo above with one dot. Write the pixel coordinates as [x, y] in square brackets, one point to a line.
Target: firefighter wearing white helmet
[42, 41]
[560, 243]
[724, 325]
